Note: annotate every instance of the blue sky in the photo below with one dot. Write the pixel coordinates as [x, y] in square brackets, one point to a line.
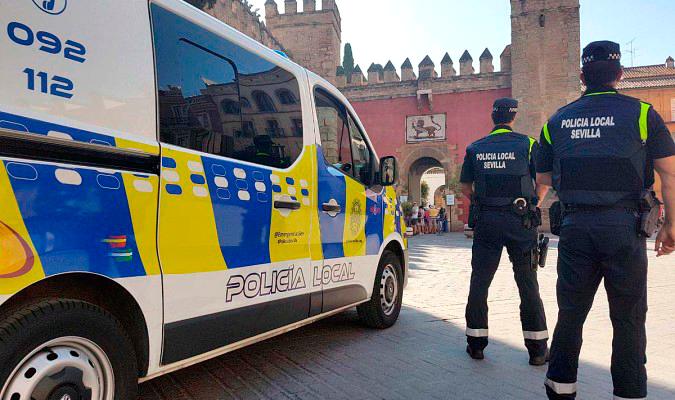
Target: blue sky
[383, 30]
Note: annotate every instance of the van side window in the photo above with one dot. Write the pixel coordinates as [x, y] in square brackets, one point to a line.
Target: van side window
[361, 154]
[218, 98]
[342, 142]
[334, 130]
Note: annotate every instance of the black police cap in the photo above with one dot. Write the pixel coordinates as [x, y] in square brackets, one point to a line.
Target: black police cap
[601, 51]
[505, 105]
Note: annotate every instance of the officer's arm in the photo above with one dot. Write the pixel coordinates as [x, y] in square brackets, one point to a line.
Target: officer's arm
[540, 190]
[466, 176]
[661, 149]
[544, 179]
[467, 189]
[544, 164]
[665, 241]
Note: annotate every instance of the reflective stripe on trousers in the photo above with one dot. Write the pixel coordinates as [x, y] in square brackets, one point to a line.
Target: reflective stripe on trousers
[539, 335]
[476, 332]
[561, 388]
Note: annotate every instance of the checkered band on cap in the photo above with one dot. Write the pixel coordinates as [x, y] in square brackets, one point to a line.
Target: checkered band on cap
[610, 57]
[503, 109]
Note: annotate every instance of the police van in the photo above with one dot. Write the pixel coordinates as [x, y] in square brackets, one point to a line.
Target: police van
[172, 190]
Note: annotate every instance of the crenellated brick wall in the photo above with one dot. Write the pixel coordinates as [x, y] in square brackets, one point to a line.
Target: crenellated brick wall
[239, 15]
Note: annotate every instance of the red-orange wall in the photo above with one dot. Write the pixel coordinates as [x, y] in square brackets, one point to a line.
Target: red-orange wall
[468, 119]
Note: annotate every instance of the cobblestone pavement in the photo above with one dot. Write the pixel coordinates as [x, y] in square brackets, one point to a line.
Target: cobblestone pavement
[422, 357]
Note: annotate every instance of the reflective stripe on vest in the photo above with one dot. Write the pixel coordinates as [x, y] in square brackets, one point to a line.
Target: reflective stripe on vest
[503, 130]
[600, 93]
[547, 135]
[532, 142]
[644, 129]
[500, 131]
[561, 388]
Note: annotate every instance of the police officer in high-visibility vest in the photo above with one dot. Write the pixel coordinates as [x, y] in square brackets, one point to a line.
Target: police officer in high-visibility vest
[498, 176]
[599, 153]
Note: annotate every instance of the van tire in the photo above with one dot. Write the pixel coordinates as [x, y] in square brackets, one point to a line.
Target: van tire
[27, 329]
[375, 314]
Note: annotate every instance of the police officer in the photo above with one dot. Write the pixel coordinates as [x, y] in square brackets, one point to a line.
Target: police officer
[599, 154]
[498, 175]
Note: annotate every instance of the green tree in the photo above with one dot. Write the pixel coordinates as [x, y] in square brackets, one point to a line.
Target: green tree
[424, 189]
[348, 62]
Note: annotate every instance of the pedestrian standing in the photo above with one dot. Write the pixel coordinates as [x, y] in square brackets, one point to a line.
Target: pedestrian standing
[599, 153]
[413, 215]
[441, 220]
[498, 176]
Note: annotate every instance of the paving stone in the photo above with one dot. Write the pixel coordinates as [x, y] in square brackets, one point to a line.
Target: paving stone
[422, 356]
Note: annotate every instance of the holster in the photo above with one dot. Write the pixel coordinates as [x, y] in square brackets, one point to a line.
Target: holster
[529, 212]
[556, 217]
[532, 219]
[540, 253]
[650, 209]
[474, 211]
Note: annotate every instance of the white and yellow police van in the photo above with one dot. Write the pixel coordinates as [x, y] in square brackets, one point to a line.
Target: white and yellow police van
[171, 190]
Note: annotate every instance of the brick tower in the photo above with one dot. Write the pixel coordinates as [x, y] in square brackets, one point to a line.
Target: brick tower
[312, 37]
[545, 58]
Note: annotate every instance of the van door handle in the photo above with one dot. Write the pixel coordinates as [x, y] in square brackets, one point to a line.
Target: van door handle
[327, 207]
[287, 204]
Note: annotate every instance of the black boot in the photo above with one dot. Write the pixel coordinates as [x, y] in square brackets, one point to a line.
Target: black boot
[540, 360]
[474, 353]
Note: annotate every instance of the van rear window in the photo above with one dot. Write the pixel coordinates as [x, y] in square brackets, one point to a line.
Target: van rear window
[215, 97]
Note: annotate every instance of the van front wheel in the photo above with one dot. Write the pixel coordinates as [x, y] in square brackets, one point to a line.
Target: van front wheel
[65, 349]
[384, 307]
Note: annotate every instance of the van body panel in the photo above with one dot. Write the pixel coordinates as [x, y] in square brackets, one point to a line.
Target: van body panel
[60, 67]
[219, 227]
[370, 218]
[73, 211]
[246, 249]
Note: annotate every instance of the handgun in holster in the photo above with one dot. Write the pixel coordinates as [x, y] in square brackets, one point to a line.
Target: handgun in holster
[474, 210]
[650, 209]
[540, 253]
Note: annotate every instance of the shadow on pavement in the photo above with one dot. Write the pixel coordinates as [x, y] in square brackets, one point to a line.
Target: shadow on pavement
[422, 357]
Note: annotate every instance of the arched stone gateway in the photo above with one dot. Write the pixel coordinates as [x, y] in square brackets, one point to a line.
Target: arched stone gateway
[415, 172]
[415, 163]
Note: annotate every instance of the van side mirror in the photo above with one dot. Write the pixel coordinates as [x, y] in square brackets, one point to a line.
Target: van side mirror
[388, 171]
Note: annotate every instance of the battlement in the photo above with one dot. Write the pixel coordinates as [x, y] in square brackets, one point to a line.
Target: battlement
[426, 71]
[522, 7]
[311, 37]
[240, 15]
[328, 14]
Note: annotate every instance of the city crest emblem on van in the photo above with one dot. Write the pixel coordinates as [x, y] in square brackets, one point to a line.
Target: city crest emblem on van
[355, 219]
[53, 7]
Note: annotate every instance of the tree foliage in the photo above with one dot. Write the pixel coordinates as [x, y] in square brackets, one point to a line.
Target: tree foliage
[424, 189]
[407, 208]
[348, 62]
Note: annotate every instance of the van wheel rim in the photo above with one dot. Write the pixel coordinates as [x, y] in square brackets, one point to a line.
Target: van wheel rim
[67, 368]
[388, 289]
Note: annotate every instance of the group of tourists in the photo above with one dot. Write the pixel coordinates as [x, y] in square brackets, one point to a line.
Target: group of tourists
[427, 219]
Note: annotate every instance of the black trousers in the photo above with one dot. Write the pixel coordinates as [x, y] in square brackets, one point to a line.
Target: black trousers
[494, 231]
[596, 246]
